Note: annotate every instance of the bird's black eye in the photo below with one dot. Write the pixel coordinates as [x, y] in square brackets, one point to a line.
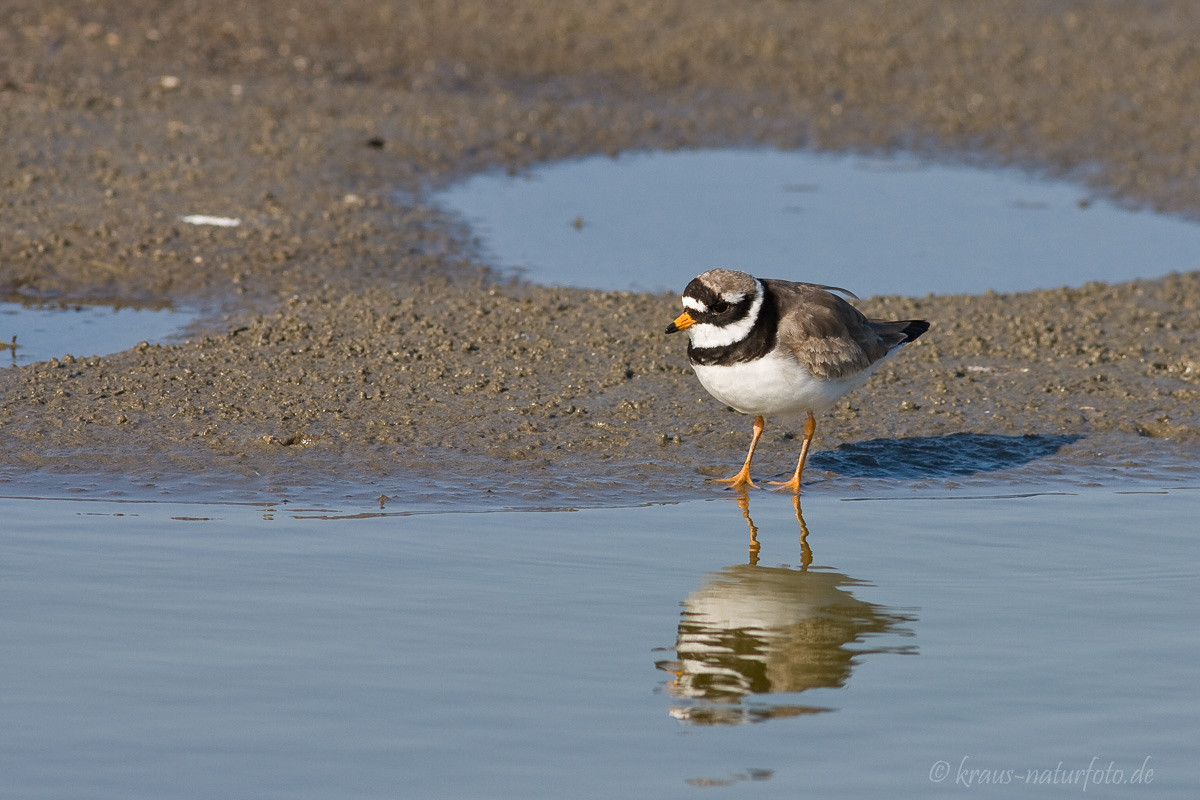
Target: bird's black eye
[720, 307]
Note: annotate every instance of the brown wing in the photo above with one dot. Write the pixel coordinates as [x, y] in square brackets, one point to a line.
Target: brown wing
[829, 336]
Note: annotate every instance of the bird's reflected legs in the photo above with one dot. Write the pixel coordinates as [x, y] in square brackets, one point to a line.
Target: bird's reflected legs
[806, 555]
[743, 502]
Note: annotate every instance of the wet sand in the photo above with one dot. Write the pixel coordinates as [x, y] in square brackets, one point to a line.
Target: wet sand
[357, 343]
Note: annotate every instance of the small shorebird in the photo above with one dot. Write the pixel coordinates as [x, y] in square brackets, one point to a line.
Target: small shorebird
[772, 347]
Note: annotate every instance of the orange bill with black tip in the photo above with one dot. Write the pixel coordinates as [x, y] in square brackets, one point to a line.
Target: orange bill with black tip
[681, 323]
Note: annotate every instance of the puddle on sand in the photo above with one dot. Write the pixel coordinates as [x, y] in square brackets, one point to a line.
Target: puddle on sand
[199, 650]
[48, 331]
[875, 226]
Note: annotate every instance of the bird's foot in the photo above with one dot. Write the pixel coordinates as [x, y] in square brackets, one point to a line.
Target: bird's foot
[739, 481]
[792, 485]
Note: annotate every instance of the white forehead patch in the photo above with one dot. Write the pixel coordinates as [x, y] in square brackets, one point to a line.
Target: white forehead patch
[694, 304]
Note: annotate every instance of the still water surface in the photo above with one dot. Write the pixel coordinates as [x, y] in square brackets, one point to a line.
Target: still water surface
[274, 651]
[52, 331]
[651, 221]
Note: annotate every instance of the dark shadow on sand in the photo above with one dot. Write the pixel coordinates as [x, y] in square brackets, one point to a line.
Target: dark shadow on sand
[955, 455]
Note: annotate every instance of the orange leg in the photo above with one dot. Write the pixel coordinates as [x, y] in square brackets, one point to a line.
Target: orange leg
[810, 428]
[743, 476]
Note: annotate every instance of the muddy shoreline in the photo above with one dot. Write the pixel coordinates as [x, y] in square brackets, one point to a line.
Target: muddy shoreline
[358, 346]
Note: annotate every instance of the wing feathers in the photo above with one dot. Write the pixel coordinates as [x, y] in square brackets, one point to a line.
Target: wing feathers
[830, 337]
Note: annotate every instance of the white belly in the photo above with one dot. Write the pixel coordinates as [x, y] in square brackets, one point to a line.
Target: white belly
[775, 385]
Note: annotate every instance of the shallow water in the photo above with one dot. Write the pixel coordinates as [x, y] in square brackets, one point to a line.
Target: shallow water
[875, 226]
[891, 639]
[53, 331]
[273, 650]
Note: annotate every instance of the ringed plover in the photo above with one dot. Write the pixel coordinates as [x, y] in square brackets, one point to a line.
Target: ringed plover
[772, 347]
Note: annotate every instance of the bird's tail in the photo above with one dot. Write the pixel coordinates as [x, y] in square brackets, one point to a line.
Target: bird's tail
[900, 332]
[913, 328]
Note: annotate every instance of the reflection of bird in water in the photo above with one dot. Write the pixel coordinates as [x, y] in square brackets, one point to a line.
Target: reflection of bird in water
[805, 551]
[752, 630]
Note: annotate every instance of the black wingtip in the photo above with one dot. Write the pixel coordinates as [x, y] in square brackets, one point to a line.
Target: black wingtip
[914, 328]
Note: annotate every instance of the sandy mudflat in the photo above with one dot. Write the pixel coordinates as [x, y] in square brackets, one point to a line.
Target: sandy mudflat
[358, 345]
